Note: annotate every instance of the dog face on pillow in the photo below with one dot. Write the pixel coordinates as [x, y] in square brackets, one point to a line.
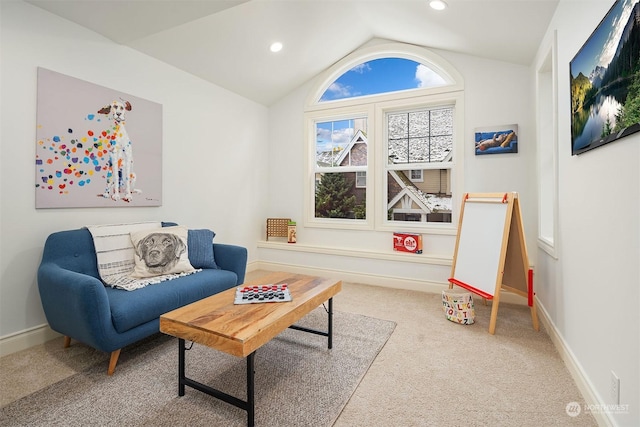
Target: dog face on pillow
[160, 251]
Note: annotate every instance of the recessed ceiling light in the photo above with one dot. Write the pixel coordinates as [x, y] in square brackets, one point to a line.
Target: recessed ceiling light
[276, 47]
[438, 4]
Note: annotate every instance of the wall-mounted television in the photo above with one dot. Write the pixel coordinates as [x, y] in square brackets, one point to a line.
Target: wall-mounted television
[605, 80]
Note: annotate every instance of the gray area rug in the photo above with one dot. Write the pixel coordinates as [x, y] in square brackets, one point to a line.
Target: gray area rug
[299, 382]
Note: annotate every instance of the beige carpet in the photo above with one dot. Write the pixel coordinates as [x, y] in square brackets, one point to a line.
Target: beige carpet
[431, 372]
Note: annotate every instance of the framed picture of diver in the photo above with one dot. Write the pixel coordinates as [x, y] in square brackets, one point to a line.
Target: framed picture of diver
[605, 80]
[87, 137]
[496, 139]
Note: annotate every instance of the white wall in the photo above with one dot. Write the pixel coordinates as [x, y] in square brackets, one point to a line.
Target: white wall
[220, 173]
[591, 292]
[214, 146]
[496, 93]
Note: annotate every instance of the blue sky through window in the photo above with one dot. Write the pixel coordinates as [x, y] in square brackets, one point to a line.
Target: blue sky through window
[336, 135]
[382, 76]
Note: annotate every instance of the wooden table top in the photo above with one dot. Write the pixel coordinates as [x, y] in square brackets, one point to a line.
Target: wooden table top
[240, 329]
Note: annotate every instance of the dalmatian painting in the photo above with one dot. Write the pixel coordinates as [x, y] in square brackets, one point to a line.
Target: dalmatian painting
[86, 138]
[120, 175]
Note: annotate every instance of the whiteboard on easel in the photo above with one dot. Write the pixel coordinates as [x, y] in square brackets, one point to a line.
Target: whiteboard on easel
[480, 245]
[490, 248]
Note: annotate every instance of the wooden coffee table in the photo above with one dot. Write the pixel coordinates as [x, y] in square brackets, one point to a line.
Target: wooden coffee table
[241, 329]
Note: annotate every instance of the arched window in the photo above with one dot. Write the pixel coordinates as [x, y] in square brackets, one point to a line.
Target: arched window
[383, 75]
[383, 127]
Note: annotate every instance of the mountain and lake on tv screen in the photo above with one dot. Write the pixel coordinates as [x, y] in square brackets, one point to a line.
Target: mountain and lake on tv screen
[606, 101]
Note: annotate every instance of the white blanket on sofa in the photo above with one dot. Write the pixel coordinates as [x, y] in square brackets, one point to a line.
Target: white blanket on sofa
[115, 255]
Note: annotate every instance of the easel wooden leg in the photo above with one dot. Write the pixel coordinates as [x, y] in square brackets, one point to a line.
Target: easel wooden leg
[534, 317]
[494, 315]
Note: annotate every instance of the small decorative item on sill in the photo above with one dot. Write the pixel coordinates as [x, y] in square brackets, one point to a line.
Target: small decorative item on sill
[291, 232]
[277, 227]
[407, 242]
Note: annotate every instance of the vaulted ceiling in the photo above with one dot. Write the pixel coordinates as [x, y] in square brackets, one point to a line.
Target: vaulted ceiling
[227, 42]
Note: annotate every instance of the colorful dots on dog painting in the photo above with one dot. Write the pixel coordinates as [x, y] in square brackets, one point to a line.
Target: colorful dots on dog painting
[65, 162]
[80, 154]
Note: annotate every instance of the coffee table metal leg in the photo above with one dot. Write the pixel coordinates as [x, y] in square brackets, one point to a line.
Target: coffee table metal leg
[328, 333]
[181, 376]
[330, 329]
[248, 405]
[250, 390]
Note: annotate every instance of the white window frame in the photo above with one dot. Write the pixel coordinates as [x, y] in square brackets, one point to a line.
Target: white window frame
[360, 175]
[547, 145]
[309, 196]
[456, 101]
[374, 108]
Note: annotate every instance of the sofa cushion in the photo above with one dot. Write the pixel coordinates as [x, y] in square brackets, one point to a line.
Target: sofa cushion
[160, 251]
[200, 244]
[132, 308]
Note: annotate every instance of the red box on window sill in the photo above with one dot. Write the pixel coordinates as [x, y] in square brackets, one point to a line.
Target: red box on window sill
[407, 242]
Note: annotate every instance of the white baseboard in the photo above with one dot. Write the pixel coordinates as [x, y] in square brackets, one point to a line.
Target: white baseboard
[348, 276]
[41, 334]
[372, 279]
[575, 369]
[25, 339]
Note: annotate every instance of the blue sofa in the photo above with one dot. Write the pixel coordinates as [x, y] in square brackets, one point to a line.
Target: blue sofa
[78, 305]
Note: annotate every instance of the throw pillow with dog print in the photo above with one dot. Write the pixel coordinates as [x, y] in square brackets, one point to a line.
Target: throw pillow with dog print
[161, 251]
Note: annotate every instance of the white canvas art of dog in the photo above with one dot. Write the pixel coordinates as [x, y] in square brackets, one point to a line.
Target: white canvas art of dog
[85, 151]
[120, 178]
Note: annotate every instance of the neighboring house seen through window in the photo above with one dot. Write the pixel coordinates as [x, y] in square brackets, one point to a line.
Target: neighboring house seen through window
[420, 138]
[341, 153]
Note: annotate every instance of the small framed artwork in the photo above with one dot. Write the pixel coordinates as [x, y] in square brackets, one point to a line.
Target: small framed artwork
[496, 139]
[605, 80]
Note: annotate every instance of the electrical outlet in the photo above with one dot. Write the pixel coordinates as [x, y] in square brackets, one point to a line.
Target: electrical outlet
[615, 388]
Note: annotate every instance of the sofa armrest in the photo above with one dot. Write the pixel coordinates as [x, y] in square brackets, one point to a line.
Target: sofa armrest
[232, 258]
[75, 304]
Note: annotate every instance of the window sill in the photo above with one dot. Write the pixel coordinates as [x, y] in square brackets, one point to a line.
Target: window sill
[358, 253]
[544, 245]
